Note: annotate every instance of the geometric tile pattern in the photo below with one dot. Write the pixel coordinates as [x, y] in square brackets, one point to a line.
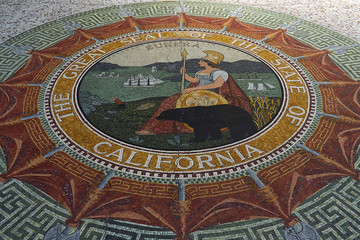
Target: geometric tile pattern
[338, 205]
[10, 62]
[27, 213]
[18, 200]
[51, 32]
[333, 212]
[149, 9]
[91, 20]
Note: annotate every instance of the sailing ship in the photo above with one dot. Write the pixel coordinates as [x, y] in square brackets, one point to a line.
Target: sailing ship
[260, 86]
[142, 81]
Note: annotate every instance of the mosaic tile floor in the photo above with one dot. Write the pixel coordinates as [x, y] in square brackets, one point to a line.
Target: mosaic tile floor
[19, 16]
[190, 120]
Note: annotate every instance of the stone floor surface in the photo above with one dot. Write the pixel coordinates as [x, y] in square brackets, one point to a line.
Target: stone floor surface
[17, 16]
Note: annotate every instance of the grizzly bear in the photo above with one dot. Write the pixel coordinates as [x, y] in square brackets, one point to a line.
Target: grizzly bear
[209, 120]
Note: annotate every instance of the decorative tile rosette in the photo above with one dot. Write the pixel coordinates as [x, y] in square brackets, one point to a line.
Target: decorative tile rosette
[51, 142]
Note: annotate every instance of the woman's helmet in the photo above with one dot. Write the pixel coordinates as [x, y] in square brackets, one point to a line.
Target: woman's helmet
[213, 56]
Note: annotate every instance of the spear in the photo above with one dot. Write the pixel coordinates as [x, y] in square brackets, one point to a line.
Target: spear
[184, 54]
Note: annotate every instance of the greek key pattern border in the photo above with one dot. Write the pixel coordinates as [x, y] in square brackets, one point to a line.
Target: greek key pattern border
[49, 33]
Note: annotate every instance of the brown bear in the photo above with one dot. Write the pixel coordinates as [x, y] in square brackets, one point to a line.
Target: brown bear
[209, 120]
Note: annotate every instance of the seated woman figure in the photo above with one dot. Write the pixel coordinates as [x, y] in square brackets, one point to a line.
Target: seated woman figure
[212, 78]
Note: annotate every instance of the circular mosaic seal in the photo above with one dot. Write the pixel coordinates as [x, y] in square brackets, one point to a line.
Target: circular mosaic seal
[181, 119]
[118, 109]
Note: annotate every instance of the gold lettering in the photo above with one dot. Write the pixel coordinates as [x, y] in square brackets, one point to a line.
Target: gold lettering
[96, 147]
[119, 154]
[298, 89]
[230, 159]
[190, 163]
[250, 150]
[63, 109]
[295, 111]
[207, 160]
[130, 158]
[147, 162]
[160, 160]
[74, 75]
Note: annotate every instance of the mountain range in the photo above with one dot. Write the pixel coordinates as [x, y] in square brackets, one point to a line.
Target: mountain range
[192, 66]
